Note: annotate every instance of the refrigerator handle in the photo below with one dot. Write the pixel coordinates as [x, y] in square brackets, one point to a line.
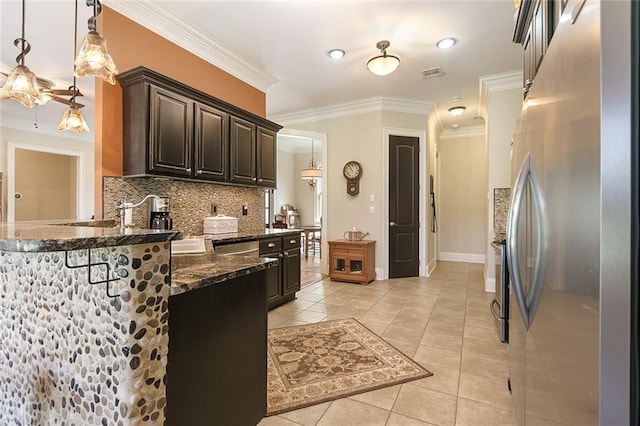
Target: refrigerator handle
[513, 221]
[528, 303]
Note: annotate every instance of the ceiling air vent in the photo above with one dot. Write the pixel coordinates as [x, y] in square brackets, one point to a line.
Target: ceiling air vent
[432, 72]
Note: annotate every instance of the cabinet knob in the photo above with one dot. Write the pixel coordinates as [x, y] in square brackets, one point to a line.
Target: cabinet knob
[293, 241]
[199, 172]
[260, 180]
[189, 170]
[286, 253]
[271, 245]
[254, 179]
[393, 224]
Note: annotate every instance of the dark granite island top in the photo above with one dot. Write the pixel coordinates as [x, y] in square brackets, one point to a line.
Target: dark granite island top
[48, 236]
[194, 271]
[260, 234]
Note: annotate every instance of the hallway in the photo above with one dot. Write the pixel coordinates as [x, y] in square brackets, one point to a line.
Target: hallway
[442, 321]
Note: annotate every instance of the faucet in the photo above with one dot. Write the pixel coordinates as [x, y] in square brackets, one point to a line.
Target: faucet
[124, 211]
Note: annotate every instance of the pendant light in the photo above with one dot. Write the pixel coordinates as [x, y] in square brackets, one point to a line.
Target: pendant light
[384, 63]
[312, 173]
[93, 57]
[21, 84]
[72, 118]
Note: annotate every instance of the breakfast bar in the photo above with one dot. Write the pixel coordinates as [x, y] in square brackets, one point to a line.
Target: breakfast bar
[85, 330]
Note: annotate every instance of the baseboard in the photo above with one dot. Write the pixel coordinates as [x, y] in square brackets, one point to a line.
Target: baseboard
[431, 266]
[490, 285]
[462, 257]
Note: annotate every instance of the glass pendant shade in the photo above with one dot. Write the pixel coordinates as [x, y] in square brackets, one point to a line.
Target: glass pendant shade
[94, 59]
[383, 64]
[73, 120]
[21, 85]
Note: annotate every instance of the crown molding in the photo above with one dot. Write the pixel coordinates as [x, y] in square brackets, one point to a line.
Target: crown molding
[152, 16]
[463, 132]
[358, 106]
[45, 129]
[497, 83]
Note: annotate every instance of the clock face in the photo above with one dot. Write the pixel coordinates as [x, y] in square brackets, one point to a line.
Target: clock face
[352, 170]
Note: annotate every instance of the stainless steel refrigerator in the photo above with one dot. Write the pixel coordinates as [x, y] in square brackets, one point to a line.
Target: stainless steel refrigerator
[563, 307]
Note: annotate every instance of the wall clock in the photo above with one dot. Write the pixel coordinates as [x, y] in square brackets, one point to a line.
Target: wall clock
[352, 171]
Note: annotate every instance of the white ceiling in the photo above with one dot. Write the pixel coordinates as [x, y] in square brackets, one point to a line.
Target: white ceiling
[284, 44]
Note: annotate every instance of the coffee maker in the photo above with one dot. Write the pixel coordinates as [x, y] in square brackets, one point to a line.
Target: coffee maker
[159, 213]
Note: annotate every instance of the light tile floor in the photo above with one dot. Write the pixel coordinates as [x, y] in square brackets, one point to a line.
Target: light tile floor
[443, 322]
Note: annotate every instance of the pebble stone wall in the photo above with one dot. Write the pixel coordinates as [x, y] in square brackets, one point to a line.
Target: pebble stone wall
[72, 355]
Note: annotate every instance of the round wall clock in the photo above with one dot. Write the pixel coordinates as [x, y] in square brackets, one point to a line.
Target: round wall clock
[352, 171]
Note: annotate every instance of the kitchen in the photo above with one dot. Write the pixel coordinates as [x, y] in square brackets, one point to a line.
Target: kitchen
[335, 180]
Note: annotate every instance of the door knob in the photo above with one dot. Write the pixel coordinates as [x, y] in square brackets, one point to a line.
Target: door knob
[393, 224]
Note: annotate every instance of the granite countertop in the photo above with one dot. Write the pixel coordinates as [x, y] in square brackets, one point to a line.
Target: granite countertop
[260, 234]
[42, 236]
[193, 271]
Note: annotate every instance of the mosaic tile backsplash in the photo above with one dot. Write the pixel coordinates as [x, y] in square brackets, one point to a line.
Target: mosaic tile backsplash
[501, 201]
[190, 201]
[72, 355]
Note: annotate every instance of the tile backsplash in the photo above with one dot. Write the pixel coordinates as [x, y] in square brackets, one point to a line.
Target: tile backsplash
[501, 201]
[190, 201]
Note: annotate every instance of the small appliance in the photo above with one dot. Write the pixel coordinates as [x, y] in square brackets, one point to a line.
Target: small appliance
[160, 213]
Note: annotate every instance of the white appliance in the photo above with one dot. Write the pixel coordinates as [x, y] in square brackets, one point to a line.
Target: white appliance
[568, 244]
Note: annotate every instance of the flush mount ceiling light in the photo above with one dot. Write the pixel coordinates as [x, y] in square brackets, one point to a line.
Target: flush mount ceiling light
[456, 111]
[446, 43]
[21, 84]
[312, 173]
[383, 64]
[93, 57]
[336, 53]
[72, 118]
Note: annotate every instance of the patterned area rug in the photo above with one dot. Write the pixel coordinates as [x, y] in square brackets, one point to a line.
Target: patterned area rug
[314, 363]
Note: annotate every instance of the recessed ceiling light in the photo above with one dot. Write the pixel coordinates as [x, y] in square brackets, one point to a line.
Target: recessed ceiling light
[446, 43]
[456, 111]
[336, 53]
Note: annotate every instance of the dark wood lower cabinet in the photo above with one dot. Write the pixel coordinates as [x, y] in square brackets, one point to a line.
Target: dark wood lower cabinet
[285, 281]
[217, 368]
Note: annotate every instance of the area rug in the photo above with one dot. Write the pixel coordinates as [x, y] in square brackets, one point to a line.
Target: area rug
[314, 363]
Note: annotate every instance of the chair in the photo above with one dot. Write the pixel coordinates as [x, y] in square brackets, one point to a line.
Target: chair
[315, 241]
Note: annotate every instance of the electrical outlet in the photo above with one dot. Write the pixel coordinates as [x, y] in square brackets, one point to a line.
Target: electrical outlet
[372, 209]
[245, 210]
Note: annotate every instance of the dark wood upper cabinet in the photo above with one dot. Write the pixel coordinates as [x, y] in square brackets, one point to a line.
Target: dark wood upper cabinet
[173, 130]
[535, 24]
[170, 136]
[211, 147]
[267, 160]
[243, 151]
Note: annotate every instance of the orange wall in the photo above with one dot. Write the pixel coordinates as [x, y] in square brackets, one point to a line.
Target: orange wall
[132, 45]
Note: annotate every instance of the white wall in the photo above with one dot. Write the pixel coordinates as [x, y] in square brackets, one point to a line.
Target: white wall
[501, 101]
[358, 137]
[305, 198]
[463, 199]
[52, 141]
[286, 176]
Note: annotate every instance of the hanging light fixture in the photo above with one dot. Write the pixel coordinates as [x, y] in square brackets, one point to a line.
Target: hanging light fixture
[93, 57]
[312, 173]
[21, 84]
[72, 118]
[383, 64]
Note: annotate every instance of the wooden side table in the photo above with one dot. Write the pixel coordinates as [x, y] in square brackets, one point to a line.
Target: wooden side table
[352, 261]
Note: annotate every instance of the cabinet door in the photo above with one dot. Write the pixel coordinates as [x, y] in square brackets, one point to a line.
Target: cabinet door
[243, 151]
[266, 148]
[291, 265]
[211, 141]
[274, 286]
[170, 133]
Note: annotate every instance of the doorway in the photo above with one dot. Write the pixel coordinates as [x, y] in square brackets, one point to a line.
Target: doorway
[401, 260]
[404, 223]
[43, 183]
